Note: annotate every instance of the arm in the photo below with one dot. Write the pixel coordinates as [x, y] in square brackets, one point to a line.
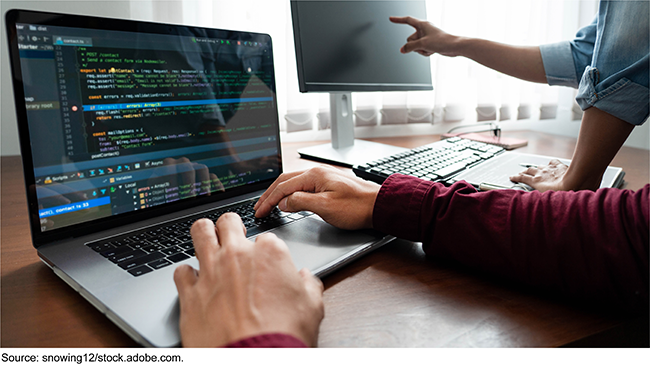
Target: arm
[246, 293]
[588, 244]
[601, 136]
[584, 244]
[523, 62]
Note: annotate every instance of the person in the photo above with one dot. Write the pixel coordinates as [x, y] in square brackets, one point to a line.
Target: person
[608, 62]
[592, 245]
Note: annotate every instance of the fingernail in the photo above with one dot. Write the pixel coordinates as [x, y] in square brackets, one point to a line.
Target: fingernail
[282, 205]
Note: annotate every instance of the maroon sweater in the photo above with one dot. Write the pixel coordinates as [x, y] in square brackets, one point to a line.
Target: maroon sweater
[584, 244]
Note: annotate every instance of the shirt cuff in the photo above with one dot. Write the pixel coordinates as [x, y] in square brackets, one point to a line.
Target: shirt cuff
[269, 340]
[398, 206]
[558, 64]
[624, 99]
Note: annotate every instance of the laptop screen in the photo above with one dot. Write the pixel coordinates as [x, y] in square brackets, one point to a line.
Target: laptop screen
[127, 121]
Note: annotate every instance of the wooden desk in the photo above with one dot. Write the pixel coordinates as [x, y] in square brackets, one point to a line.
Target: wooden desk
[393, 297]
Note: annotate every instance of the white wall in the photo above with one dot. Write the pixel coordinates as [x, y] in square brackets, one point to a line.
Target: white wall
[8, 130]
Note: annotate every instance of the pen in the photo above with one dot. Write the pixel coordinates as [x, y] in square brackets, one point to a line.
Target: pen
[489, 186]
[528, 165]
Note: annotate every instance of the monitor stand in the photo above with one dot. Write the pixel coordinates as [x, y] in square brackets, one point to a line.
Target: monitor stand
[344, 149]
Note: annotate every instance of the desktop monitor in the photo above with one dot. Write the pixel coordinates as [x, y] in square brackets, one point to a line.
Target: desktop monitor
[347, 46]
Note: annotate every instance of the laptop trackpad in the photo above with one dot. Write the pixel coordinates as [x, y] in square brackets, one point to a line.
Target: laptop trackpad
[316, 245]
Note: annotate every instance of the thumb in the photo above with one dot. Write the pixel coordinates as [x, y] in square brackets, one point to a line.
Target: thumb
[313, 285]
[185, 277]
[411, 46]
[299, 201]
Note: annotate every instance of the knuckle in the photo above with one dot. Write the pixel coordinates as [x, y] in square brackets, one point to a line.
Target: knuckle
[180, 272]
[201, 223]
[271, 242]
[229, 217]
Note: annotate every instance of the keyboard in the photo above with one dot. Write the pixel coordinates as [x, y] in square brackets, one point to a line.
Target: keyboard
[437, 161]
[143, 251]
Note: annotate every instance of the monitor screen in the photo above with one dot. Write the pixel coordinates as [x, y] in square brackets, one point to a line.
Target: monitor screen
[345, 46]
[139, 116]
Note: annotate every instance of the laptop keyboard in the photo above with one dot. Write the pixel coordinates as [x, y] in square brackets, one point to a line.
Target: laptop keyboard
[437, 161]
[154, 248]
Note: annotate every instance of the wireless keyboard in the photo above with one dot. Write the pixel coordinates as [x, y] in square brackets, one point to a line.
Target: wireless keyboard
[436, 161]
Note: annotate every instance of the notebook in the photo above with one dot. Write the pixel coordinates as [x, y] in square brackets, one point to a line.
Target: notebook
[129, 132]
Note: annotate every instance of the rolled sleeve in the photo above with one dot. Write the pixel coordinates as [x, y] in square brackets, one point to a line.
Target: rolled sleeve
[617, 79]
[558, 64]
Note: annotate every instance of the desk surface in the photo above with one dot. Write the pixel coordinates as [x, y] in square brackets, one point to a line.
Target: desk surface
[393, 297]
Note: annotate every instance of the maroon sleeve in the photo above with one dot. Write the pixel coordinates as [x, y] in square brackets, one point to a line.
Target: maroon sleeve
[268, 340]
[586, 244]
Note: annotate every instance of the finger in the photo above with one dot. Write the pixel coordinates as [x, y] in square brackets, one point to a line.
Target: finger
[313, 284]
[282, 178]
[184, 277]
[522, 178]
[300, 201]
[230, 230]
[532, 171]
[413, 37]
[314, 288]
[205, 241]
[302, 182]
[413, 46]
[405, 20]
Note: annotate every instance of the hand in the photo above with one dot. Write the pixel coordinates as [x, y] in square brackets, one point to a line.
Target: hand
[427, 38]
[244, 289]
[342, 200]
[543, 178]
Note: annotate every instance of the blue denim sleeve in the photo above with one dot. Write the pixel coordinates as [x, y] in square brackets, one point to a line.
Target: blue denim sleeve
[616, 81]
[564, 62]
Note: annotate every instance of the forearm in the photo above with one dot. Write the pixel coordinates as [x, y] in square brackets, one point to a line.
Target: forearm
[601, 136]
[522, 62]
[586, 244]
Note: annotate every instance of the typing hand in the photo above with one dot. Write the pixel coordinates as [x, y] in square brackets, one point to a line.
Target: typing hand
[427, 38]
[339, 198]
[244, 289]
[543, 178]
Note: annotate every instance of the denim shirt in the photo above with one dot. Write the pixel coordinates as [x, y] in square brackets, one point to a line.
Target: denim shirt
[612, 56]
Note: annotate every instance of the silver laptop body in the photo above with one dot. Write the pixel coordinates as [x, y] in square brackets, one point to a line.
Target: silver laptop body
[127, 127]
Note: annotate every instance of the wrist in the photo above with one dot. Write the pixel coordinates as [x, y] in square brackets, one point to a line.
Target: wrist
[575, 180]
[459, 46]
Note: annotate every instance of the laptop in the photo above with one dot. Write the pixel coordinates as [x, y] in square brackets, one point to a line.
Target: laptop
[129, 132]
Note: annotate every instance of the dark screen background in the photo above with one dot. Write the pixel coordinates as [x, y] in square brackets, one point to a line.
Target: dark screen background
[353, 42]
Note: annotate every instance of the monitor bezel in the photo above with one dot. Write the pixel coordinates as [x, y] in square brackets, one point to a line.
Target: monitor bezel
[340, 88]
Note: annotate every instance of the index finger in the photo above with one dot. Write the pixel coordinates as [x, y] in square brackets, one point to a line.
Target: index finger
[205, 241]
[230, 229]
[300, 182]
[279, 180]
[405, 20]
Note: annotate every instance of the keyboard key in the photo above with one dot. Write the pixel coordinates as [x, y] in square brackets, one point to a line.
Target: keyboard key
[450, 170]
[101, 246]
[127, 256]
[141, 270]
[129, 264]
[186, 245]
[171, 250]
[191, 252]
[116, 251]
[178, 257]
[159, 264]
[150, 248]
